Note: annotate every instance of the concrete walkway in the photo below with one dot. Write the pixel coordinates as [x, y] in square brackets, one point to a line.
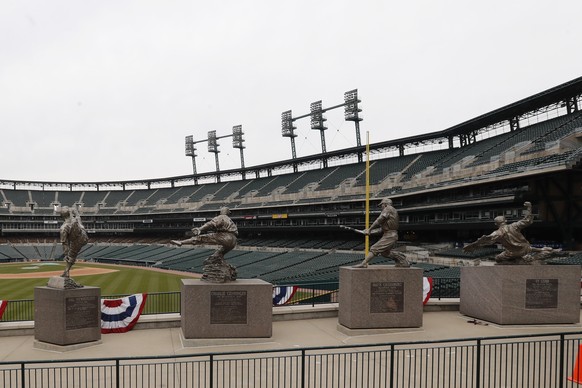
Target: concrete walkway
[287, 334]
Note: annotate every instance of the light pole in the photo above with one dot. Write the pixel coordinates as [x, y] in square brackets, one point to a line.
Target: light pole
[237, 142]
[288, 130]
[317, 123]
[213, 147]
[352, 113]
[191, 151]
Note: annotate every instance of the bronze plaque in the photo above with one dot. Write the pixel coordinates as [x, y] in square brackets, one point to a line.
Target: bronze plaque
[82, 312]
[387, 297]
[541, 293]
[228, 307]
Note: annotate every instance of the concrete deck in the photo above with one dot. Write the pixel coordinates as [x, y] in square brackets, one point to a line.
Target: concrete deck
[303, 327]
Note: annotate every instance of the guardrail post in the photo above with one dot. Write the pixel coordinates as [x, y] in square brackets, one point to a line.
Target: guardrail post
[392, 355]
[302, 368]
[478, 365]
[211, 371]
[561, 373]
[22, 376]
[117, 377]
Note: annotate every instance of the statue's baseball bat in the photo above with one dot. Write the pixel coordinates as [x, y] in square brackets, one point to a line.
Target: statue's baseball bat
[352, 229]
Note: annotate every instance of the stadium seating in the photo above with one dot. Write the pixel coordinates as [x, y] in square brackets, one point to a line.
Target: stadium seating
[554, 130]
[255, 185]
[341, 174]
[91, 199]
[380, 169]
[18, 198]
[44, 199]
[258, 192]
[69, 198]
[229, 189]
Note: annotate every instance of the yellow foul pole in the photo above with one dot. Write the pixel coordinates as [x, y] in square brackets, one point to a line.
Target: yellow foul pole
[367, 241]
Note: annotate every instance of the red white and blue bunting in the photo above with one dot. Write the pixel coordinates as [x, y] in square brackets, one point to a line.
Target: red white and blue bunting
[283, 294]
[121, 315]
[3, 304]
[426, 289]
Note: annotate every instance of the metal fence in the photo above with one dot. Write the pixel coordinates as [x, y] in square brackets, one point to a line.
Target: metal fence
[156, 303]
[546, 360]
[169, 302]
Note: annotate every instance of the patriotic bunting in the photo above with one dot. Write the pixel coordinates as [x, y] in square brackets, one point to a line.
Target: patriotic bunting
[120, 315]
[283, 294]
[426, 289]
[3, 304]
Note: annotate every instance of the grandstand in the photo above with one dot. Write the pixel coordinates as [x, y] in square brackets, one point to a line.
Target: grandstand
[447, 186]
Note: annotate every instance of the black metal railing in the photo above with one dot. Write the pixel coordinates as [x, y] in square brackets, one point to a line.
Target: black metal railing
[443, 288]
[156, 303]
[545, 360]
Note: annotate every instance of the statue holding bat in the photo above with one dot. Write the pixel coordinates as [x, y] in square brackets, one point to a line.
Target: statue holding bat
[387, 224]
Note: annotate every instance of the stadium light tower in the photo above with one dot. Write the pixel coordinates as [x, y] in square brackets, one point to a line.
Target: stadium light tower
[317, 123]
[237, 142]
[288, 130]
[213, 147]
[191, 151]
[352, 113]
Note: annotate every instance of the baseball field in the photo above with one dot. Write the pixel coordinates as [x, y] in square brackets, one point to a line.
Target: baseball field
[18, 280]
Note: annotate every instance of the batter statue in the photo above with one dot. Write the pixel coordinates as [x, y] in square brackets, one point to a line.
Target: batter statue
[387, 224]
[517, 250]
[221, 231]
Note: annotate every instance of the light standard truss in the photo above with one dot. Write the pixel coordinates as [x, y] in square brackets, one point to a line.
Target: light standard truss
[351, 113]
[213, 145]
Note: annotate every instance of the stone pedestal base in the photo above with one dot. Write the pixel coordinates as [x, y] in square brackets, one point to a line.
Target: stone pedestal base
[67, 316]
[239, 309]
[521, 294]
[380, 296]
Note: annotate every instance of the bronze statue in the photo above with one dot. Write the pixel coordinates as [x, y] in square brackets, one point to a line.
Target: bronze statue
[73, 238]
[387, 224]
[517, 250]
[221, 231]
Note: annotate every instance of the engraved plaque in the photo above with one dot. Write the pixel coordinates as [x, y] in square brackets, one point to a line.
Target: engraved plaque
[82, 312]
[387, 297]
[541, 293]
[228, 307]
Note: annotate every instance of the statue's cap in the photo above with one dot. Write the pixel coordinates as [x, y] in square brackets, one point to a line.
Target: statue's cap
[386, 201]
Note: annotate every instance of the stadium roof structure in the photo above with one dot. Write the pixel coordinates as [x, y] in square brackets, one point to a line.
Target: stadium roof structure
[564, 95]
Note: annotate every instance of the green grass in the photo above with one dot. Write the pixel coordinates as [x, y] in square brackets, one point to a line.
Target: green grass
[126, 280]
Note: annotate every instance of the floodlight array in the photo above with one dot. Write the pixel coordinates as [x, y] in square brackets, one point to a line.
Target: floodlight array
[317, 118]
[212, 142]
[351, 108]
[287, 127]
[190, 148]
[237, 137]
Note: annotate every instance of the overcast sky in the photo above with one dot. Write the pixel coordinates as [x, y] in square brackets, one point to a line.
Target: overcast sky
[101, 90]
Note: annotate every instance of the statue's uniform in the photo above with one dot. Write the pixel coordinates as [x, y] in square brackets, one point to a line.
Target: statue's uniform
[389, 221]
[224, 235]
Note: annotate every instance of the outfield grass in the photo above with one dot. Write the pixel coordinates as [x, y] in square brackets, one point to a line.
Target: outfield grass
[126, 280]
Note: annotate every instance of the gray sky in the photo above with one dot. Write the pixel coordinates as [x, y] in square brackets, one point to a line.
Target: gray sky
[99, 90]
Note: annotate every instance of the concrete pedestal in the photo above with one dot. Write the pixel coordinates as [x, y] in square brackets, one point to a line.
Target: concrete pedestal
[67, 316]
[521, 294]
[380, 296]
[239, 309]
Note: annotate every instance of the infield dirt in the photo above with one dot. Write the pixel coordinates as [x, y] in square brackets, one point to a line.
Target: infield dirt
[84, 271]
